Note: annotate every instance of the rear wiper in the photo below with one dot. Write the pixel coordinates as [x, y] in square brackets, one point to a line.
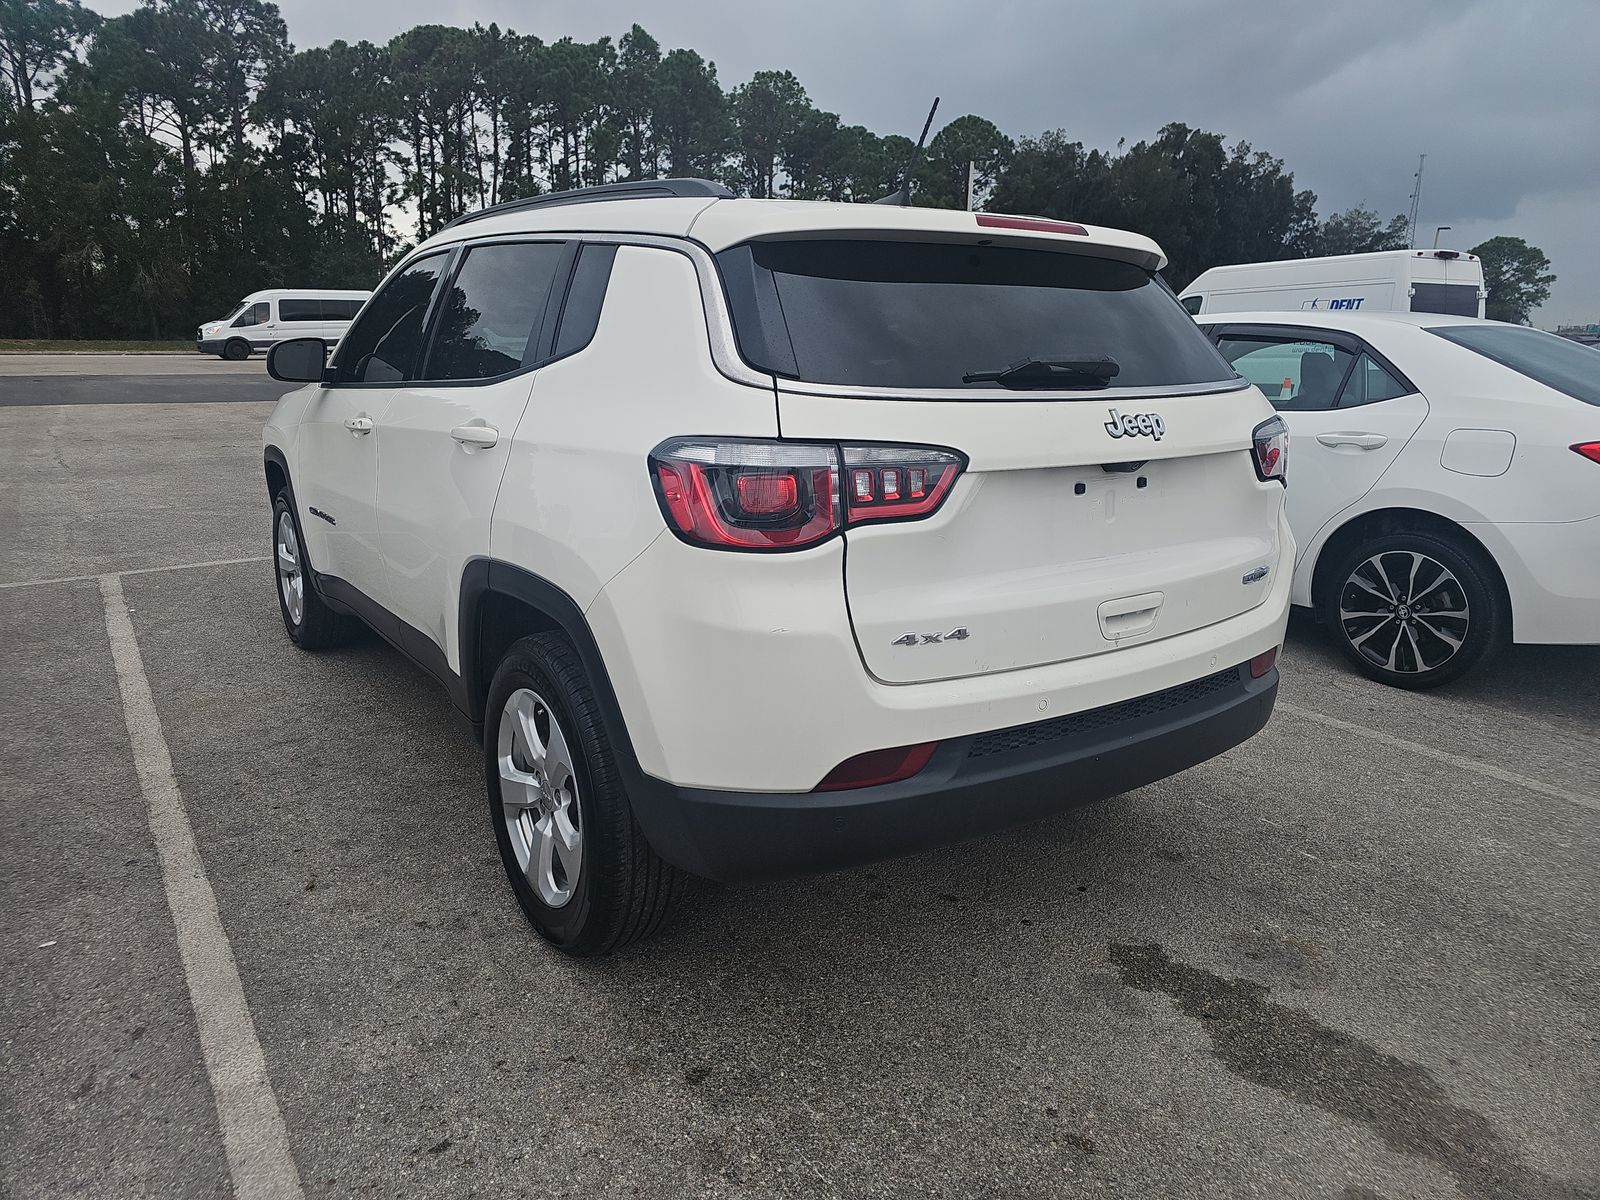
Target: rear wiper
[1050, 373]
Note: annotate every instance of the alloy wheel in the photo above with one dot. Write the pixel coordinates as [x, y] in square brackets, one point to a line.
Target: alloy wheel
[539, 796]
[1404, 612]
[291, 573]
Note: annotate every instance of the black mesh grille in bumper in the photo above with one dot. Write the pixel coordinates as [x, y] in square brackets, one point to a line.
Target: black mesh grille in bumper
[1024, 737]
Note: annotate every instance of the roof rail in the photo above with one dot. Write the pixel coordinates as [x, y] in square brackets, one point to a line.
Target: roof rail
[635, 189]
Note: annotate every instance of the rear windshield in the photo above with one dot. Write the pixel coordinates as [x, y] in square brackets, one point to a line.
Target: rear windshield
[1556, 362]
[922, 315]
[1451, 299]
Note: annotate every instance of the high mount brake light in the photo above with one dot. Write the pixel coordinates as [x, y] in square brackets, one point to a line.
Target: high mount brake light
[1031, 224]
[1269, 448]
[748, 494]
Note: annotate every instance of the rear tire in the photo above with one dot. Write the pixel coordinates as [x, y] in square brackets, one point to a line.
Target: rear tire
[310, 623]
[1415, 610]
[573, 853]
[236, 350]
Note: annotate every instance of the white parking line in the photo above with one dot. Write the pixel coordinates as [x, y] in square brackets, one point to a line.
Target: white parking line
[1455, 760]
[215, 562]
[253, 1133]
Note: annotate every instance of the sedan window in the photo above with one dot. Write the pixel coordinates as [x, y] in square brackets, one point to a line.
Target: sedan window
[1556, 362]
[1370, 383]
[1296, 375]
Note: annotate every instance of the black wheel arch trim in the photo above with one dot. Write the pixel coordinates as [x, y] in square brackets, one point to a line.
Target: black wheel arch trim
[663, 820]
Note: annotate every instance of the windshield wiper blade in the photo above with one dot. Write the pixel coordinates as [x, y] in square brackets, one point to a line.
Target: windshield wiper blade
[1050, 372]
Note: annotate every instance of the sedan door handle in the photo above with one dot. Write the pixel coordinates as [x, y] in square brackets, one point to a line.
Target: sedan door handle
[360, 426]
[1361, 441]
[476, 434]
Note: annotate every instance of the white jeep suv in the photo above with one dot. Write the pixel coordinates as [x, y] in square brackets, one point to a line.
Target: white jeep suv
[762, 537]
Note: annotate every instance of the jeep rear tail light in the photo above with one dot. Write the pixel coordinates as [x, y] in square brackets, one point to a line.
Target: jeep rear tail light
[750, 494]
[897, 483]
[1270, 449]
[1590, 450]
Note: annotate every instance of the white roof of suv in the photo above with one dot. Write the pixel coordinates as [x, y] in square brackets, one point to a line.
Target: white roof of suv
[720, 221]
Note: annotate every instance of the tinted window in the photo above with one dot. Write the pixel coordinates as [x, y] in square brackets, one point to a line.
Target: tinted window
[299, 310]
[922, 314]
[493, 310]
[1553, 361]
[1452, 299]
[1369, 383]
[382, 347]
[1297, 376]
[257, 314]
[1191, 304]
[580, 315]
[340, 310]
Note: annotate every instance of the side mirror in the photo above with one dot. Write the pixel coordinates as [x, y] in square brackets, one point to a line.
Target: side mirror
[299, 360]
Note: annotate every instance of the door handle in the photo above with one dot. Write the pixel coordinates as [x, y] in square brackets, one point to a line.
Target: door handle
[477, 434]
[1361, 441]
[360, 426]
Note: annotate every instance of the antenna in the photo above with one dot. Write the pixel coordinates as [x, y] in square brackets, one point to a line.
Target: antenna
[1416, 199]
[902, 194]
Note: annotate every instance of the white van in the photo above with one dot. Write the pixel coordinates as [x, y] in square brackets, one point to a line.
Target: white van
[262, 318]
[1433, 281]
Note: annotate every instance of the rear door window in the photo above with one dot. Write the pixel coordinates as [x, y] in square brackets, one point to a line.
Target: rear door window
[1452, 299]
[492, 311]
[383, 346]
[920, 315]
[1296, 374]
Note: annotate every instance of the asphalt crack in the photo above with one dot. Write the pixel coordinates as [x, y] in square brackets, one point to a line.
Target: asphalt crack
[1281, 1048]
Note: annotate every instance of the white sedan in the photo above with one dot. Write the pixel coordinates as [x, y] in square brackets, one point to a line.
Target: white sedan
[1444, 485]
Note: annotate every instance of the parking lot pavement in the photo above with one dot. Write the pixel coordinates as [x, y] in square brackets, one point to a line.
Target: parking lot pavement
[38, 380]
[1346, 960]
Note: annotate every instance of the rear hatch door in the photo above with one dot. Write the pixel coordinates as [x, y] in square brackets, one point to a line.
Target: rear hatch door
[1091, 513]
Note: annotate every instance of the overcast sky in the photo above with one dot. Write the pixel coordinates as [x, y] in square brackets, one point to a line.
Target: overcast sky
[1502, 95]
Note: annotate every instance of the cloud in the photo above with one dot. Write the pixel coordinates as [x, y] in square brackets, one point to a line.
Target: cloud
[1500, 96]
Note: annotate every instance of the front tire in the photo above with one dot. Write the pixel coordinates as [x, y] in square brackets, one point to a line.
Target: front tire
[1415, 610]
[577, 860]
[310, 623]
[237, 350]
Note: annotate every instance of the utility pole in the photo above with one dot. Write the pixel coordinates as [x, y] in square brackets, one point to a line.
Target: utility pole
[1436, 234]
[972, 184]
[1416, 198]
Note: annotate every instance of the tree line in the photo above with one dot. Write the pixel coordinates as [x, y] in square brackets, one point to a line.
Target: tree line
[155, 167]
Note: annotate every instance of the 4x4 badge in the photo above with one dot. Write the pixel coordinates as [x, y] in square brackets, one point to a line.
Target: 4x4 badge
[958, 634]
[1136, 425]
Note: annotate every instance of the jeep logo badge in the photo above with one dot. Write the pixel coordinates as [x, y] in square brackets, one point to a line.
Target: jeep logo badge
[1136, 425]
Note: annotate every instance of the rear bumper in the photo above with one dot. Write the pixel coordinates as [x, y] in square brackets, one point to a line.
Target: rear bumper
[1552, 570]
[972, 785]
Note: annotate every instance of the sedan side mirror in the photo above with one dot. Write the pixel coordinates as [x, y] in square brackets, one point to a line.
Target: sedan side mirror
[299, 360]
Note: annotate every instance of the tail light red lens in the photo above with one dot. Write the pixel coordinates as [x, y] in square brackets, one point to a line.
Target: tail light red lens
[898, 483]
[877, 766]
[746, 494]
[1590, 450]
[1270, 448]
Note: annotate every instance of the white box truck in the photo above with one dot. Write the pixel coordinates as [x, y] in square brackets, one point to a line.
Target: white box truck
[1436, 281]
